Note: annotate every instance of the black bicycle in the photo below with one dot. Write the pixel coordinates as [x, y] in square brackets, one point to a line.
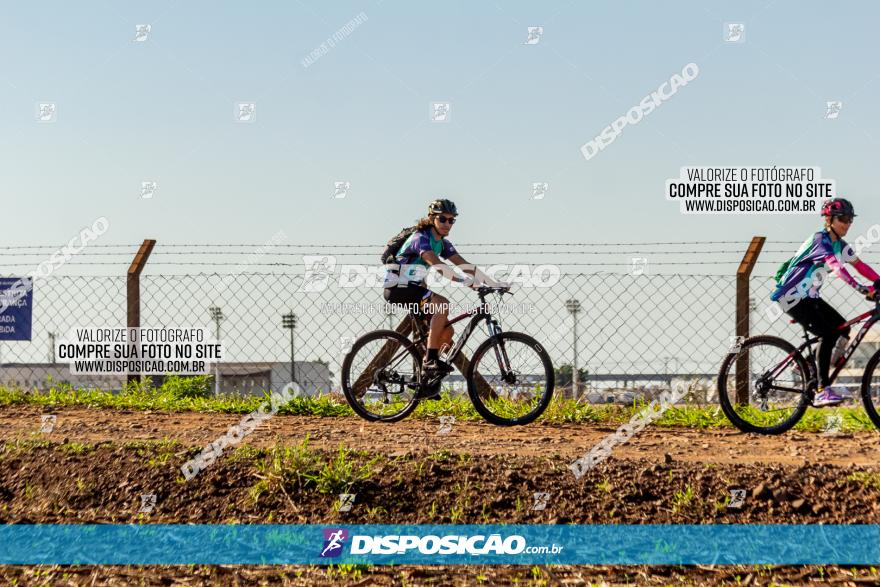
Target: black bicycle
[509, 378]
[766, 384]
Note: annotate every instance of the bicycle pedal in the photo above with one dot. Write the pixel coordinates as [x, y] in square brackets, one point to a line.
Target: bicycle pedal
[430, 382]
[429, 391]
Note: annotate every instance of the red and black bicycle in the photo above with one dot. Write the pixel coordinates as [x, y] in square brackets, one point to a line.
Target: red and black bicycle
[778, 381]
[509, 378]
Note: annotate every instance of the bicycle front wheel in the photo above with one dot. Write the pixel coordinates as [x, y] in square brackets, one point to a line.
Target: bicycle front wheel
[380, 376]
[510, 379]
[871, 389]
[773, 385]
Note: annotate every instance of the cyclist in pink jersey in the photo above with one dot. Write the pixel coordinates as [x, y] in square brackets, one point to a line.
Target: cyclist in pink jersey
[798, 283]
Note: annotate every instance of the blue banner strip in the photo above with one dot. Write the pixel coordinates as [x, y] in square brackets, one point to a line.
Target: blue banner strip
[153, 544]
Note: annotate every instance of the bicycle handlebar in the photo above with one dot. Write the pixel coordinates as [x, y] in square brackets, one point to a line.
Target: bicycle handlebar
[487, 289]
[876, 291]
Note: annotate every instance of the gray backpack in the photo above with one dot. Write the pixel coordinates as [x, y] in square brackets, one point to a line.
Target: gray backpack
[395, 243]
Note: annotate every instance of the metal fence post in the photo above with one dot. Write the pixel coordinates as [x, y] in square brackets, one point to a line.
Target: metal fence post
[743, 274]
[133, 290]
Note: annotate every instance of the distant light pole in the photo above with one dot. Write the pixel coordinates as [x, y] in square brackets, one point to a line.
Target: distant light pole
[389, 311]
[217, 317]
[753, 306]
[289, 321]
[666, 362]
[52, 347]
[574, 307]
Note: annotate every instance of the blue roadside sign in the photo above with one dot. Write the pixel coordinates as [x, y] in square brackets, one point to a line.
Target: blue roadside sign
[16, 305]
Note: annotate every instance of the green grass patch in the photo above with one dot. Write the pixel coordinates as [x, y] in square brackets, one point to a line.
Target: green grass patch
[178, 394]
[296, 468]
[683, 500]
[869, 479]
[76, 448]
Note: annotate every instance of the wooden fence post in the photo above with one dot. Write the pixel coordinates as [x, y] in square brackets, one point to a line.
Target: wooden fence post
[133, 290]
[743, 274]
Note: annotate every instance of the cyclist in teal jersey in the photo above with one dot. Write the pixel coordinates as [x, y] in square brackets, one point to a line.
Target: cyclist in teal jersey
[429, 247]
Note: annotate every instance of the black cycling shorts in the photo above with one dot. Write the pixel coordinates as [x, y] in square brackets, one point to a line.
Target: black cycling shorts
[410, 296]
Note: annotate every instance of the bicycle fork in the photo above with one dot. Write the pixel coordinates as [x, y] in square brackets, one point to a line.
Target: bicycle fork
[494, 329]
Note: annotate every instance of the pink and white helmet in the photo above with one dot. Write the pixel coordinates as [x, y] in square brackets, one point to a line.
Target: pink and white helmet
[838, 207]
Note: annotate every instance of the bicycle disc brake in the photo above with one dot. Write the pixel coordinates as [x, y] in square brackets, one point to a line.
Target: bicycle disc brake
[760, 394]
[382, 379]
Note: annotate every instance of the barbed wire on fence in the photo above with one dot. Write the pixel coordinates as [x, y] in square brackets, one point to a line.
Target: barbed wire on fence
[635, 330]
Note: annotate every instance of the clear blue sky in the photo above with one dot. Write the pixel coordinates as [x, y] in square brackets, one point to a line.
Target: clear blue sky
[163, 110]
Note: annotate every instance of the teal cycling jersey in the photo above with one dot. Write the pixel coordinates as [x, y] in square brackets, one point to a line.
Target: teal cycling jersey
[410, 253]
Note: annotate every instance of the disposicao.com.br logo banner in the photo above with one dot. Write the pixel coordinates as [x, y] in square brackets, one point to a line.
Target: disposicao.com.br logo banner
[439, 541]
[272, 544]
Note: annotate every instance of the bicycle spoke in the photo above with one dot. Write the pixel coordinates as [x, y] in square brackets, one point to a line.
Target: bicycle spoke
[773, 397]
[511, 380]
[384, 373]
[871, 398]
[785, 389]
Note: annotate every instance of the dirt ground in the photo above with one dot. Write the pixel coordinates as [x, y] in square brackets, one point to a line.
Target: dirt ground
[727, 446]
[90, 472]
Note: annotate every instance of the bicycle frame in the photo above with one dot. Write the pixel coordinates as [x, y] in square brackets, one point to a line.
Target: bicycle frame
[871, 317]
[477, 315]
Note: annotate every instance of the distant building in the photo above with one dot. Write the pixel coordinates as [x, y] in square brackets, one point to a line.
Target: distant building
[235, 378]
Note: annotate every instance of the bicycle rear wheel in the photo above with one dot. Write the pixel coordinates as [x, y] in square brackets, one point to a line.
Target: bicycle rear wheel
[777, 380]
[380, 376]
[510, 379]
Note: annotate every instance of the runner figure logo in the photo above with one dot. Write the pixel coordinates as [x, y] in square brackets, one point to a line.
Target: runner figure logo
[334, 539]
[47, 112]
[639, 265]
[736, 343]
[440, 112]
[318, 269]
[535, 34]
[142, 32]
[148, 502]
[446, 423]
[345, 344]
[833, 424]
[47, 423]
[346, 500]
[340, 189]
[246, 111]
[541, 501]
[539, 189]
[148, 189]
[737, 497]
[734, 32]
[832, 109]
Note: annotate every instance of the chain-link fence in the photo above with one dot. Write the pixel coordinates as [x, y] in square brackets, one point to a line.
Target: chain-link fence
[635, 321]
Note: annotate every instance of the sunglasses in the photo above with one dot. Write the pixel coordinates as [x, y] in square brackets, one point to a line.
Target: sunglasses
[446, 219]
